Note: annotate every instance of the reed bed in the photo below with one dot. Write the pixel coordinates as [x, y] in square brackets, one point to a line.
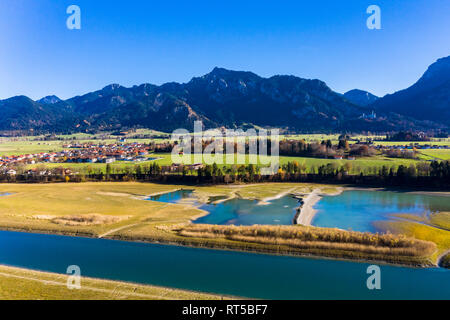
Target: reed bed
[332, 242]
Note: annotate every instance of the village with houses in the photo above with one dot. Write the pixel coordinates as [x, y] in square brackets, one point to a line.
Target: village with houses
[76, 152]
[89, 153]
[79, 153]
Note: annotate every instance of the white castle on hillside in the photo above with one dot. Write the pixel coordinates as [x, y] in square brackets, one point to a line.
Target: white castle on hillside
[372, 115]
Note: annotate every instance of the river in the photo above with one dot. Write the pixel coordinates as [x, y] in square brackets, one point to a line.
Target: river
[216, 271]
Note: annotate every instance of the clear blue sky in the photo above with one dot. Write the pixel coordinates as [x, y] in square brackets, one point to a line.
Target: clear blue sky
[133, 42]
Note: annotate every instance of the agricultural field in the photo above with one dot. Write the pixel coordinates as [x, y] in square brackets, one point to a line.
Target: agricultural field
[19, 147]
[436, 154]
[438, 142]
[85, 168]
[366, 165]
[377, 140]
[313, 137]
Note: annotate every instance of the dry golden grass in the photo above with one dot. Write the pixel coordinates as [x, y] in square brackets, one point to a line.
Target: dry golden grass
[420, 231]
[329, 242]
[22, 284]
[87, 209]
[86, 220]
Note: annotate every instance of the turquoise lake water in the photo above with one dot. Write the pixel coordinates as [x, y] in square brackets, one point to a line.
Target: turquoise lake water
[250, 212]
[239, 211]
[215, 271]
[359, 209]
[356, 210]
[172, 197]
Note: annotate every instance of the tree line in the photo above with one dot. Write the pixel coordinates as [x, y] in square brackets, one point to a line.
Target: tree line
[432, 174]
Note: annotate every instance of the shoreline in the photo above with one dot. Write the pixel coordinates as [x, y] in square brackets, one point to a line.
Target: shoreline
[441, 258]
[306, 212]
[266, 201]
[48, 278]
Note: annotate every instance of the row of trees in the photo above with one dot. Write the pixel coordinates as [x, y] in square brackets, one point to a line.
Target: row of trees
[407, 136]
[405, 154]
[299, 148]
[432, 169]
[435, 174]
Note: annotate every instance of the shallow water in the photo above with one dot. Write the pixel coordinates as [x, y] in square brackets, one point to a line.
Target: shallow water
[237, 211]
[359, 209]
[172, 197]
[251, 212]
[356, 210]
[223, 272]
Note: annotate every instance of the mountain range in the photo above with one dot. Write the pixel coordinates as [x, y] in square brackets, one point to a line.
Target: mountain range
[360, 97]
[225, 98]
[428, 98]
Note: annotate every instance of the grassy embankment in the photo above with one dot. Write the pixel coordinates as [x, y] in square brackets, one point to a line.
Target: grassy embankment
[23, 284]
[434, 228]
[116, 210]
[319, 241]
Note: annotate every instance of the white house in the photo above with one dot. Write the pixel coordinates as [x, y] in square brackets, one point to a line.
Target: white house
[11, 172]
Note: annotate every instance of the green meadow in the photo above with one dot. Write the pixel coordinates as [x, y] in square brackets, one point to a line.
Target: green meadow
[19, 147]
[366, 165]
[437, 154]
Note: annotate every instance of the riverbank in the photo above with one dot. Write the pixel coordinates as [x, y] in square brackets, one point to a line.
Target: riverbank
[266, 201]
[235, 274]
[172, 236]
[306, 212]
[311, 241]
[25, 284]
[433, 228]
[443, 260]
